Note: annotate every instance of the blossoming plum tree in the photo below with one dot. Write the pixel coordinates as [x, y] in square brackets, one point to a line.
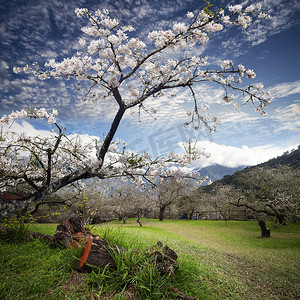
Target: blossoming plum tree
[116, 65]
[270, 192]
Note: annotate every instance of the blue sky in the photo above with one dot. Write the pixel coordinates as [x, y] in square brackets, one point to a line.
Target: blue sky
[36, 30]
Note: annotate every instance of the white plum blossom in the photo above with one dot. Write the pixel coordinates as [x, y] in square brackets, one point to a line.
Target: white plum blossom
[244, 21]
[80, 12]
[180, 27]
[226, 20]
[226, 64]
[136, 44]
[17, 70]
[250, 74]
[190, 15]
[250, 8]
[51, 120]
[82, 42]
[259, 86]
[241, 69]
[229, 79]
[264, 16]
[213, 27]
[235, 8]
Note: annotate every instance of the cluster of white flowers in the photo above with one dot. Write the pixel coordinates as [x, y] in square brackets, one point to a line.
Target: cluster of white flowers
[80, 12]
[121, 163]
[25, 157]
[244, 15]
[250, 74]
[190, 15]
[162, 37]
[244, 20]
[33, 113]
[241, 69]
[180, 28]
[235, 8]
[226, 64]
[213, 27]
[250, 8]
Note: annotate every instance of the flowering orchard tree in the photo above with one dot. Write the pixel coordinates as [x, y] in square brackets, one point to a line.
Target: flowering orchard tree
[116, 65]
[131, 200]
[36, 167]
[167, 191]
[270, 192]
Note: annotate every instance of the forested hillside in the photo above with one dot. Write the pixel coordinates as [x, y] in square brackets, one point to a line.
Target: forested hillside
[291, 159]
[269, 190]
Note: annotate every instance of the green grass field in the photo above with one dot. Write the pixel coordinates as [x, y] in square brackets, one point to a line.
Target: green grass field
[217, 260]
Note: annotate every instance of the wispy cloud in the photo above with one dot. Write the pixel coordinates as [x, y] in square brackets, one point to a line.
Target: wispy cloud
[285, 89]
[283, 16]
[232, 157]
[288, 118]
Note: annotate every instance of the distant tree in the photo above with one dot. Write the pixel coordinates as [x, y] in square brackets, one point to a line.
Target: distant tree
[219, 199]
[129, 199]
[191, 202]
[167, 191]
[273, 192]
[122, 203]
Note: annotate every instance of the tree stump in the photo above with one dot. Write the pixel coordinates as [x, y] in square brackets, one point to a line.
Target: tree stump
[265, 232]
[98, 255]
[97, 251]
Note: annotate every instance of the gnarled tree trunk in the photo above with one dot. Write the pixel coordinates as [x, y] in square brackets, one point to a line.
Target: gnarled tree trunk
[161, 215]
[265, 232]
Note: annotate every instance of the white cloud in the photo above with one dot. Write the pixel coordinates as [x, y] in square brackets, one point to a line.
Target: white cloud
[232, 157]
[26, 127]
[281, 19]
[285, 89]
[3, 65]
[288, 118]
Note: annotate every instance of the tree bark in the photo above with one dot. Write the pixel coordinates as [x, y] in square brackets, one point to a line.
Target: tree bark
[139, 222]
[265, 232]
[191, 214]
[162, 213]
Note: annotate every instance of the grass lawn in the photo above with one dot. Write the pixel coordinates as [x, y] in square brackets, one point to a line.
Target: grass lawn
[217, 260]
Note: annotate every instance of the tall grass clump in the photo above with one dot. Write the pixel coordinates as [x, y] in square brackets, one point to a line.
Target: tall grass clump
[115, 236]
[134, 269]
[14, 229]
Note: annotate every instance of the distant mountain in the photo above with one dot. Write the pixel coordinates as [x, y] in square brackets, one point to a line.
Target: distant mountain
[216, 172]
[291, 158]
